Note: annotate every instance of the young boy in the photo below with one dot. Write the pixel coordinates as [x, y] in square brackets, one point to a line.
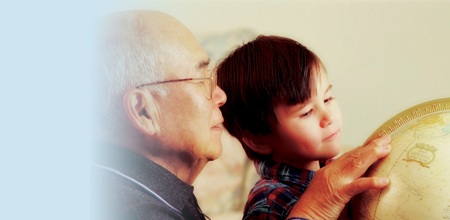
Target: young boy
[281, 108]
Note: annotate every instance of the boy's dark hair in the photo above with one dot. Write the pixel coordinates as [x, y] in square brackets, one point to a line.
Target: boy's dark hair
[259, 75]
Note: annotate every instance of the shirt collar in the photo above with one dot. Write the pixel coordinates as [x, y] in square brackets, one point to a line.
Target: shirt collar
[270, 169]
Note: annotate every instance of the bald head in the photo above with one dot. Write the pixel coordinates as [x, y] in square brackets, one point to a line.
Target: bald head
[137, 47]
[152, 27]
[130, 47]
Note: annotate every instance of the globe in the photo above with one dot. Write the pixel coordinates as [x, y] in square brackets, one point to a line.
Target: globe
[418, 167]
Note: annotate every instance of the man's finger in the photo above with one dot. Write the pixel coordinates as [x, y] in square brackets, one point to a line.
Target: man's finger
[365, 183]
[357, 161]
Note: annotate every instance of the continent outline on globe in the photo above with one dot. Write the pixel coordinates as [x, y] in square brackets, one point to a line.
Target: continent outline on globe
[417, 167]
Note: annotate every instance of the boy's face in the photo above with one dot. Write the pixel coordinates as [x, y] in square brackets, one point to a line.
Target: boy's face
[308, 131]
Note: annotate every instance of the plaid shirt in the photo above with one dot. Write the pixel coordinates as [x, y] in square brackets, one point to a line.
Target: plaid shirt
[279, 188]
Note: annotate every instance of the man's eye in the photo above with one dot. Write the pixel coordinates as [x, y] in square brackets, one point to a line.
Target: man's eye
[206, 82]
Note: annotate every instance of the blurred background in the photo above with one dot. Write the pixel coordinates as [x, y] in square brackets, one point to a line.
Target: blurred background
[382, 57]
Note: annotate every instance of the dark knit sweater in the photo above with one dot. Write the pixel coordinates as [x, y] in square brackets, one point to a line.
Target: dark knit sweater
[126, 185]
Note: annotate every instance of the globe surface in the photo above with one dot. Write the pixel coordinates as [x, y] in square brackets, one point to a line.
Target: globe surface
[418, 167]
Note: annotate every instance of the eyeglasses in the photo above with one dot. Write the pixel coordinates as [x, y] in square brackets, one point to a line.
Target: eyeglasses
[210, 84]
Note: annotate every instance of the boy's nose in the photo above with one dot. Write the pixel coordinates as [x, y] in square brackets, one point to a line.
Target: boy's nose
[326, 119]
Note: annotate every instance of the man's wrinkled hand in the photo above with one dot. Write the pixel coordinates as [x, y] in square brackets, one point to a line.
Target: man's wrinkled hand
[334, 185]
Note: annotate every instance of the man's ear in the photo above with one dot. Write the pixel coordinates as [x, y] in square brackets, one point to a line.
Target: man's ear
[258, 144]
[141, 111]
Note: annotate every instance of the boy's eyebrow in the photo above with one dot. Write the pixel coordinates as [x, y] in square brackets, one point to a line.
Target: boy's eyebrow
[329, 88]
[303, 104]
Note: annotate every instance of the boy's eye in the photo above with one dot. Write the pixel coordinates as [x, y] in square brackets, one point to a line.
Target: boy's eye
[306, 114]
[328, 99]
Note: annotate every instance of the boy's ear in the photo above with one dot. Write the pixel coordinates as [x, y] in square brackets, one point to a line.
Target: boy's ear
[142, 111]
[258, 144]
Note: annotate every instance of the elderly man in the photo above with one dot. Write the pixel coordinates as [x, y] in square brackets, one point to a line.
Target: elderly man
[162, 118]
[159, 123]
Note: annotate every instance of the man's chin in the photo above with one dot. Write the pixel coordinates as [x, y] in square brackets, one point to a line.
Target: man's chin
[216, 154]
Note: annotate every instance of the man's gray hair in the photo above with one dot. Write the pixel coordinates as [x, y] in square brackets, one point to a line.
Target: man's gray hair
[126, 58]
